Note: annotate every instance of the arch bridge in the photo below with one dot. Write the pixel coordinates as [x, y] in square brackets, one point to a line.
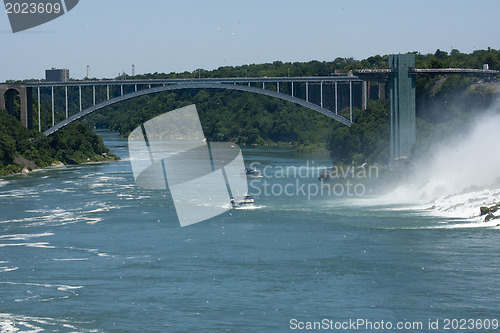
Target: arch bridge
[273, 87]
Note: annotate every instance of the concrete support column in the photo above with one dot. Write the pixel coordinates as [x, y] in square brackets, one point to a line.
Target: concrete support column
[27, 108]
[381, 91]
[321, 93]
[365, 94]
[2, 97]
[10, 95]
[66, 99]
[7, 95]
[350, 101]
[39, 111]
[336, 98]
[53, 113]
[402, 105]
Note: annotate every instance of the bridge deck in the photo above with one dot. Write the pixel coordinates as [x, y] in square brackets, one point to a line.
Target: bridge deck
[455, 71]
[233, 80]
[433, 71]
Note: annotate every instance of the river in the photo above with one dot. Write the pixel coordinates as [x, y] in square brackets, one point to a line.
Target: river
[83, 249]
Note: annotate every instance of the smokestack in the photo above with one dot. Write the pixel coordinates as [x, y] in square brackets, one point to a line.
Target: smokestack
[88, 71]
[133, 70]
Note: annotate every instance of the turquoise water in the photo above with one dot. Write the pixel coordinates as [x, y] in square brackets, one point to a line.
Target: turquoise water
[82, 249]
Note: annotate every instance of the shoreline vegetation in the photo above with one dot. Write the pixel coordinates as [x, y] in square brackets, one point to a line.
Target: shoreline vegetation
[23, 150]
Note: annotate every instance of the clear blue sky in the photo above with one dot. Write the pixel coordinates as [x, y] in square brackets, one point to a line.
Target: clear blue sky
[166, 36]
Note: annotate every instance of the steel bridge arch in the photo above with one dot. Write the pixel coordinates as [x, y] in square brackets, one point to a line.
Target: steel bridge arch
[195, 85]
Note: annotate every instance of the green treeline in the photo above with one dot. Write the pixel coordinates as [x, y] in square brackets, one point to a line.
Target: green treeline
[20, 147]
[440, 59]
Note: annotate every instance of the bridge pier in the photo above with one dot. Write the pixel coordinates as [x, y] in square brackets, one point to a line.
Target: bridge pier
[402, 104]
[350, 101]
[7, 96]
[381, 91]
[366, 91]
[365, 94]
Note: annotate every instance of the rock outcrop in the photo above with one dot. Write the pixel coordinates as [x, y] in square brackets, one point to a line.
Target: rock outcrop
[488, 211]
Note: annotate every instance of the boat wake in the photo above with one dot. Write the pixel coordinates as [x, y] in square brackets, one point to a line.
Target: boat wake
[250, 207]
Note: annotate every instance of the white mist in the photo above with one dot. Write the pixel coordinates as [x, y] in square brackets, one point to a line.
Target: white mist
[459, 175]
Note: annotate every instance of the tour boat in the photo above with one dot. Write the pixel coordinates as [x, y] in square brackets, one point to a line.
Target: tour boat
[247, 200]
[252, 172]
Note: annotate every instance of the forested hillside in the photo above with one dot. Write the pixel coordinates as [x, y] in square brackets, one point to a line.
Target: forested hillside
[244, 118]
[21, 148]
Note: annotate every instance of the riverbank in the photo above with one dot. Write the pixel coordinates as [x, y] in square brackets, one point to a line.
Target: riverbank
[299, 148]
[23, 150]
[24, 169]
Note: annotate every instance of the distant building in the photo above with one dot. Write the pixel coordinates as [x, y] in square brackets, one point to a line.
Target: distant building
[57, 75]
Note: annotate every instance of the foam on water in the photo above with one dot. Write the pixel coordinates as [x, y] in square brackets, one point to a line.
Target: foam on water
[42, 245]
[20, 193]
[93, 175]
[11, 323]
[93, 220]
[24, 236]
[59, 216]
[464, 205]
[58, 190]
[458, 177]
[43, 291]
[103, 209]
[60, 287]
[8, 269]
[451, 225]
[56, 216]
[250, 207]
[95, 252]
